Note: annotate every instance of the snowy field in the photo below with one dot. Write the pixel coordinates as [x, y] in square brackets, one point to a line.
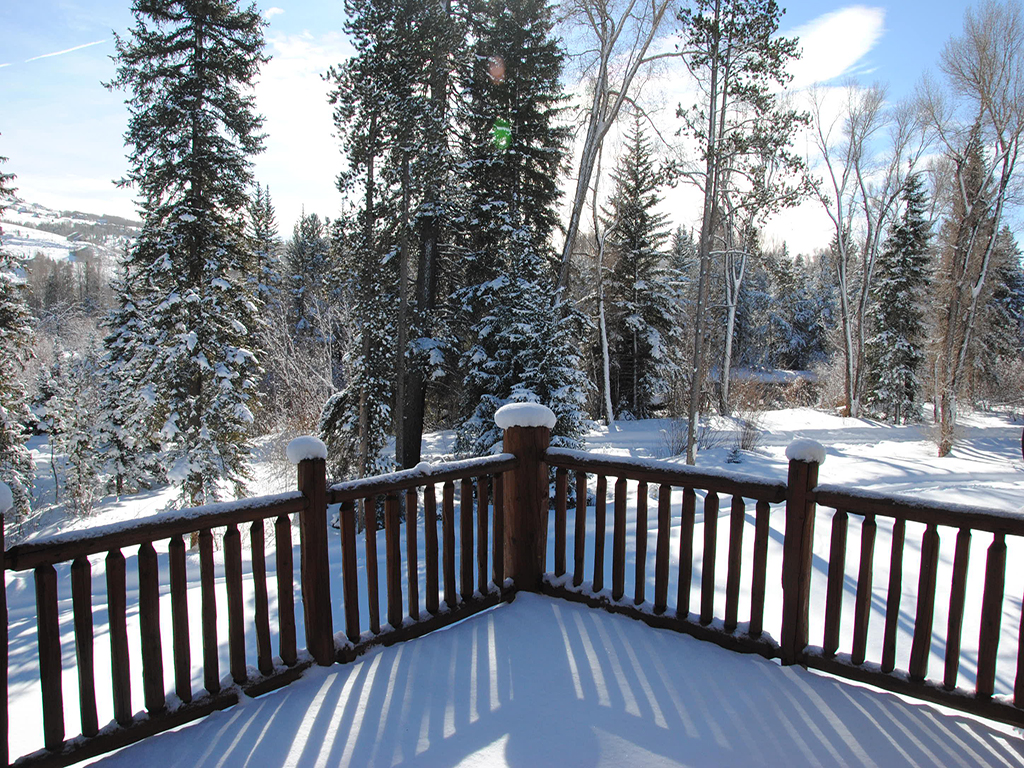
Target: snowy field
[619, 692]
[24, 242]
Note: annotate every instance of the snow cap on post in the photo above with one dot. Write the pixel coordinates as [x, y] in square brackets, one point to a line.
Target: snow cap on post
[803, 449]
[307, 447]
[6, 498]
[525, 415]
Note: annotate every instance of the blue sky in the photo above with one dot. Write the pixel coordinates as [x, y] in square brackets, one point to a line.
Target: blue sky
[63, 131]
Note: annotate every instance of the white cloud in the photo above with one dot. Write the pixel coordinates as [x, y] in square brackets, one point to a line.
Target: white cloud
[302, 159]
[834, 44]
[272, 12]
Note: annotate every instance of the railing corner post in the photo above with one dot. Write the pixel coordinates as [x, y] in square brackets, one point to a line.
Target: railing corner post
[804, 456]
[309, 454]
[527, 435]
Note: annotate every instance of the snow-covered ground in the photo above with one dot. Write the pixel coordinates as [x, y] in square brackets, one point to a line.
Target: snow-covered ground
[544, 682]
[619, 692]
[24, 242]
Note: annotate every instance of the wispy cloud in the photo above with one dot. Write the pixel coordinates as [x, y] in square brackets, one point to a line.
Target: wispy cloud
[272, 12]
[834, 44]
[66, 50]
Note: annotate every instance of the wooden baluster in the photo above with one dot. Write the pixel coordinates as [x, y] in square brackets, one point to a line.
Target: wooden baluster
[81, 598]
[285, 590]
[349, 569]
[117, 618]
[149, 629]
[619, 541]
[261, 599]
[920, 650]
[393, 559]
[48, 640]
[686, 523]
[561, 502]
[599, 531]
[179, 619]
[448, 544]
[430, 543]
[957, 598]
[737, 518]
[466, 538]
[991, 615]
[892, 600]
[661, 549]
[707, 573]
[836, 576]
[579, 541]
[412, 556]
[482, 509]
[498, 556]
[236, 606]
[862, 611]
[640, 571]
[372, 583]
[211, 652]
[759, 577]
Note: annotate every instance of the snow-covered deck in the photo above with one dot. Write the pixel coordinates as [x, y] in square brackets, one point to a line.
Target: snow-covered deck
[545, 682]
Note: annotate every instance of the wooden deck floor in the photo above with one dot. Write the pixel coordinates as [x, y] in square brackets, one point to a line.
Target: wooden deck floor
[544, 682]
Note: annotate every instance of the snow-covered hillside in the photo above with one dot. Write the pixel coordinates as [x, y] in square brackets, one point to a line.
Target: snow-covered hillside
[30, 229]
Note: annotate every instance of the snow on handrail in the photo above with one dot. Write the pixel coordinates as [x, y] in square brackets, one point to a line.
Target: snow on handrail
[422, 474]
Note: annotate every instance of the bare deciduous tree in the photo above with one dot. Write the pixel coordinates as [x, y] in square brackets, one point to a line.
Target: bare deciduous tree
[621, 35]
[980, 110]
[865, 154]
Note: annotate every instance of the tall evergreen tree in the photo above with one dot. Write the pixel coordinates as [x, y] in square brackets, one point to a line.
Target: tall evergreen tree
[308, 266]
[642, 319]
[189, 67]
[895, 353]
[16, 466]
[392, 114]
[518, 347]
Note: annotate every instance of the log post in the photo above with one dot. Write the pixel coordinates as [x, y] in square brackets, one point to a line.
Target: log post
[310, 455]
[804, 458]
[527, 435]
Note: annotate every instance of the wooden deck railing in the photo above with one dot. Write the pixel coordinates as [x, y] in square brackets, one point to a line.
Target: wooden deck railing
[959, 522]
[666, 478]
[76, 549]
[494, 521]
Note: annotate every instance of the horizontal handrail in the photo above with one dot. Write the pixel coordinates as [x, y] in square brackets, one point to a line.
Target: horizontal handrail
[67, 546]
[419, 476]
[928, 512]
[664, 473]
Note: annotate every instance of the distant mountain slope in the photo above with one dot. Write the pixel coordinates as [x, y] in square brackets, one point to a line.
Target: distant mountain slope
[30, 229]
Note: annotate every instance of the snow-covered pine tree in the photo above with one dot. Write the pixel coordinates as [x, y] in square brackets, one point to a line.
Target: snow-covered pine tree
[392, 114]
[16, 466]
[130, 416]
[518, 346]
[73, 426]
[357, 419]
[308, 267]
[999, 372]
[189, 67]
[266, 282]
[895, 352]
[642, 318]
[267, 279]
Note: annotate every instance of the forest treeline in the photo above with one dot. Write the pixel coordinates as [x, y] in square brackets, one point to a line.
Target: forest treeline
[491, 246]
